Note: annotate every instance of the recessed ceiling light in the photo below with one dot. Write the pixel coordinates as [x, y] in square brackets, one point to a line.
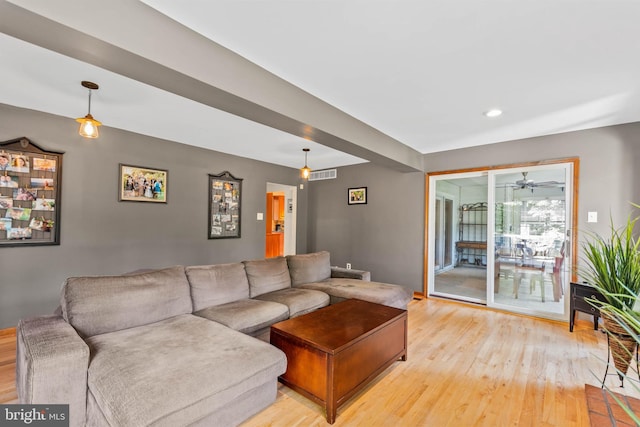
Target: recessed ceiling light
[493, 113]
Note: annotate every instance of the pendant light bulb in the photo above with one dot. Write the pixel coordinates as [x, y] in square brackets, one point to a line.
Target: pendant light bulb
[306, 170]
[89, 125]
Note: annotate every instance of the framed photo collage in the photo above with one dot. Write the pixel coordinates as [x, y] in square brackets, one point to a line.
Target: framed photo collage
[225, 192]
[29, 194]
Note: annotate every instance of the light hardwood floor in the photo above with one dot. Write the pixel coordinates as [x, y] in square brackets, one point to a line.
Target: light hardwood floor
[8, 366]
[467, 366]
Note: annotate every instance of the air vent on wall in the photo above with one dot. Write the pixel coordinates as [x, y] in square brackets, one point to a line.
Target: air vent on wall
[325, 174]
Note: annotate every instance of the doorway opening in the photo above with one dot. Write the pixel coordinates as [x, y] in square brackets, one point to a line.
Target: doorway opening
[280, 220]
[504, 236]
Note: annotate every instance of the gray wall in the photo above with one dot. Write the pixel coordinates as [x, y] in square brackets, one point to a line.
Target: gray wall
[100, 235]
[608, 156]
[384, 236]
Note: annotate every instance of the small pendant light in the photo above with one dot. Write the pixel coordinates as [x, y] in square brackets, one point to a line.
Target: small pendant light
[89, 125]
[306, 170]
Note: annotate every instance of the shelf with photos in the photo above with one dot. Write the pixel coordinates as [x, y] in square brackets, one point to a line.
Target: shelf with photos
[30, 191]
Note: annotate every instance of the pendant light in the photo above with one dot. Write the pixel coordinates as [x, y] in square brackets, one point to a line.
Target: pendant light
[306, 170]
[88, 125]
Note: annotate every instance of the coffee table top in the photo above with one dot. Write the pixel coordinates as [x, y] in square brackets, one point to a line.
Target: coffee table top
[333, 327]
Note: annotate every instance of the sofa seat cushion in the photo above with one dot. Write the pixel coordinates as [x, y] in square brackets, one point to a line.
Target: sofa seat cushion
[267, 275]
[176, 371]
[382, 293]
[299, 301]
[309, 268]
[246, 316]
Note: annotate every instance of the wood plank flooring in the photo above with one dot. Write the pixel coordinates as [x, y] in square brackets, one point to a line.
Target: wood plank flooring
[8, 366]
[467, 366]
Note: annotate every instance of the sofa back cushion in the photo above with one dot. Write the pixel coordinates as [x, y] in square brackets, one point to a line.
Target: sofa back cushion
[101, 304]
[267, 275]
[217, 284]
[309, 268]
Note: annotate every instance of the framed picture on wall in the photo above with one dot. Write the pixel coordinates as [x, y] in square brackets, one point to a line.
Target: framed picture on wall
[141, 184]
[225, 191]
[357, 196]
[30, 194]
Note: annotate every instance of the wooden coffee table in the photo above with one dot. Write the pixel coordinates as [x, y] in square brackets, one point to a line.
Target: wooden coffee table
[335, 351]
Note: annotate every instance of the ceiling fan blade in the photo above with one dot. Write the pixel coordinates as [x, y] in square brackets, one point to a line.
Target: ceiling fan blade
[549, 184]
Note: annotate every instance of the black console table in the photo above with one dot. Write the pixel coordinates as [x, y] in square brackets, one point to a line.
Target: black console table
[579, 293]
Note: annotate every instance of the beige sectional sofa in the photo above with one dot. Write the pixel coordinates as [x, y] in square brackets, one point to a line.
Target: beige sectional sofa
[177, 346]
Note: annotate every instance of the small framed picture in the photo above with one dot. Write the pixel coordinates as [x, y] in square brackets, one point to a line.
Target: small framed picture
[357, 196]
[140, 184]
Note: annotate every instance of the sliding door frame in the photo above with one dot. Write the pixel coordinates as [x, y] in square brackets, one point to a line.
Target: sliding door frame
[444, 197]
[573, 227]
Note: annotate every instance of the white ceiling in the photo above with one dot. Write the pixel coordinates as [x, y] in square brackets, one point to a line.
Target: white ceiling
[420, 71]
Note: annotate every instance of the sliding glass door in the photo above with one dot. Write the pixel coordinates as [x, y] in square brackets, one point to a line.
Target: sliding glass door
[531, 220]
[460, 237]
[502, 237]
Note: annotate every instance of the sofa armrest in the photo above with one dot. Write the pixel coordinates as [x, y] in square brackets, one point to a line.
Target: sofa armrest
[343, 273]
[51, 365]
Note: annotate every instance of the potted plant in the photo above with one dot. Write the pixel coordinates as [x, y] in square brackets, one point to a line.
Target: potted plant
[613, 267]
[630, 321]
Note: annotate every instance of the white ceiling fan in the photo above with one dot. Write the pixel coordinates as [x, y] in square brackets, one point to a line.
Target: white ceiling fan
[530, 184]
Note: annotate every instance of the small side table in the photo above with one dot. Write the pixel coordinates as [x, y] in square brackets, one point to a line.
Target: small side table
[579, 293]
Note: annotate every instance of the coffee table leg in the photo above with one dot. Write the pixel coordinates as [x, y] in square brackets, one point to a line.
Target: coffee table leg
[330, 398]
[331, 412]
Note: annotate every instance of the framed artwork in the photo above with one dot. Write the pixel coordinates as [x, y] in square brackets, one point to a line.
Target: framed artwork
[30, 194]
[357, 196]
[141, 184]
[225, 192]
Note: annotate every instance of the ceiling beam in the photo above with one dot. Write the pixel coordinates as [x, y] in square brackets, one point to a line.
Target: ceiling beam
[136, 41]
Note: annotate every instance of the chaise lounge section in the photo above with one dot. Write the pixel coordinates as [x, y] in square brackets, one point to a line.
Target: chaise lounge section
[314, 272]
